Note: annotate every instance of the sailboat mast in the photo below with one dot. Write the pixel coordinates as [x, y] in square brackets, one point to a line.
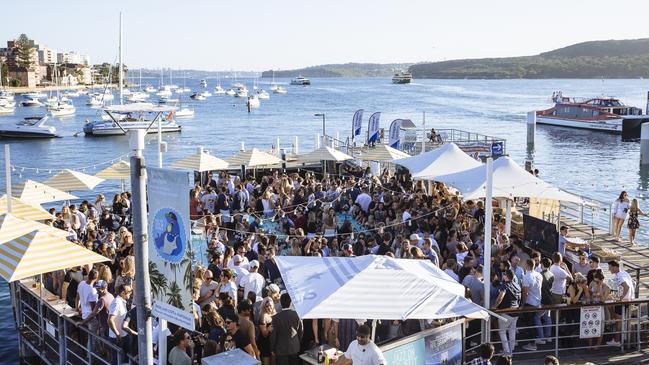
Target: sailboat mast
[121, 69]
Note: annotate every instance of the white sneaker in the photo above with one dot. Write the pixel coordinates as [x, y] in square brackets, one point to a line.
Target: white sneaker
[540, 342]
[613, 343]
[530, 347]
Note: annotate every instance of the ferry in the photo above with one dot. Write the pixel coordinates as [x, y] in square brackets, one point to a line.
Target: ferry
[402, 78]
[606, 114]
[300, 81]
[133, 116]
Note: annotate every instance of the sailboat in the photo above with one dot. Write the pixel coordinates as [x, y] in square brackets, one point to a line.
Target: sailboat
[218, 90]
[183, 112]
[273, 86]
[62, 107]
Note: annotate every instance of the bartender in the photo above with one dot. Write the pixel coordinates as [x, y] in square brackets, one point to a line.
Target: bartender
[362, 351]
[565, 242]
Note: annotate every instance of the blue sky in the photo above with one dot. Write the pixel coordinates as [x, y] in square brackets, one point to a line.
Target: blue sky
[282, 34]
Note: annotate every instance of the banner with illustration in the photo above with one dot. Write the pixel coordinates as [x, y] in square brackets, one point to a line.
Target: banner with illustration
[442, 345]
[395, 130]
[357, 122]
[373, 128]
[170, 255]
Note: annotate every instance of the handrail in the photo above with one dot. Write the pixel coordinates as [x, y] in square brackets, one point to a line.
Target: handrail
[565, 306]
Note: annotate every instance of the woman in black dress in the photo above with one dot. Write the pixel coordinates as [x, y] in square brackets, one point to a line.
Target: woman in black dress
[633, 223]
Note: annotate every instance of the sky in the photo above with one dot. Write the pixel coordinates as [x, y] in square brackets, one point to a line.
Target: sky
[284, 34]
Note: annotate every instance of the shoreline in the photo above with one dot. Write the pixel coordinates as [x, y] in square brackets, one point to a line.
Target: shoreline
[23, 89]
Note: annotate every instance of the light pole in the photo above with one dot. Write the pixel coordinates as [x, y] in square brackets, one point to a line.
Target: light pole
[324, 134]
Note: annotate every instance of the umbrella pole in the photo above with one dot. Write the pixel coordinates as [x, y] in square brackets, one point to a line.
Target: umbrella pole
[486, 269]
[373, 330]
[508, 217]
[40, 309]
[8, 176]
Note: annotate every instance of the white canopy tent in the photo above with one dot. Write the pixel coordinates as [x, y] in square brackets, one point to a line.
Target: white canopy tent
[509, 181]
[324, 153]
[373, 287]
[446, 159]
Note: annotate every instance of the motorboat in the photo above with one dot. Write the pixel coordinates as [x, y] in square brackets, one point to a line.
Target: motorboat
[10, 103]
[30, 127]
[206, 93]
[4, 109]
[300, 81]
[35, 95]
[31, 102]
[94, 100]
[241, 92]
[253, 102]
[197, 96]
[203, 83]
[126, 92]
[137, 96]
[167, 100]
[179, 90]
[51, 101]
[72, 94]
[63, 109]
[230, 92]
[263, 94]
[607, 114]
[6, 94]
[164, 91]
[218, 90]
[402, 77]
[184, 113]
[280, 90]
[145, 116]
[183, 90]
[149, 89]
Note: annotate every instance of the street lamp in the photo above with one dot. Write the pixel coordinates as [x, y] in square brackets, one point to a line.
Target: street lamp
[323, 122]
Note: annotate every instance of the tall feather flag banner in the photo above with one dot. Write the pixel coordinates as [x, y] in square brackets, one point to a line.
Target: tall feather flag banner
[373, 128]
[357, 121]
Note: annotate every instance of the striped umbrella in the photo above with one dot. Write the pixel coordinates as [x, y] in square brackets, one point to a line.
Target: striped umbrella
[120, 170]
[37, 193]
[70, 180]
[253, 158]
[24, 210]
[12, 227]
[200, 162]
[39, 252]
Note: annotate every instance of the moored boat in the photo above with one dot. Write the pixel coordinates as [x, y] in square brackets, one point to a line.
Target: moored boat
[300, 81]
[143, 116]
[402, 77]
[30, 127]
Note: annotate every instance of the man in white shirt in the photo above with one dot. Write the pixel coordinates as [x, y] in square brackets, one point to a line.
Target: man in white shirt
[87, 294]
[532, 282]
[116, 314]
[561, 274]
[362, 351]
[625, 292]
[253, 282]
[238, 270]
[364, 199]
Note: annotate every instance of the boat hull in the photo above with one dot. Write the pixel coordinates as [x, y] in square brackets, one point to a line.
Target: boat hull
[26, 135]
[609, 126]
[116, 131]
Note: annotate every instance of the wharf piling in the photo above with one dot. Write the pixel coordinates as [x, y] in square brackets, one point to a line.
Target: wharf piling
[644, 144]
[531, 128]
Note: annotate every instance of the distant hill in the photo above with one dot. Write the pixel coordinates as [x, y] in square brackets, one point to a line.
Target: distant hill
[342, 70]
[597, 59]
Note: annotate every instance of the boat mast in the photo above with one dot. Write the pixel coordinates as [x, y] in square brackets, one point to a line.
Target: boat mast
[120, 59]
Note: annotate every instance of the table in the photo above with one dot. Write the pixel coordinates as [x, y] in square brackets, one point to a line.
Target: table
[59, 306]
[313, 361]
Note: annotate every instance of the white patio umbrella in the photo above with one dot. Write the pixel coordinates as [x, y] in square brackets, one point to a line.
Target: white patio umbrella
[70, 180]
[200, 162]
[36, 193]
[253, 158]
[446, 159]
[376, 287]
[381, 153]
[120, 170]
[324, 153]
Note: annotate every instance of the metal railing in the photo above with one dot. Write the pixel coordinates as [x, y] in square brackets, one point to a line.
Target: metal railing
[52, 338]
[563, 329]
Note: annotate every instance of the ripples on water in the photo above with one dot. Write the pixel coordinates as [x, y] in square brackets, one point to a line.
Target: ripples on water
[594, 164]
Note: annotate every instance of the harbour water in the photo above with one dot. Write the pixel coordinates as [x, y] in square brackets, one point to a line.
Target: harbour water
[593, 164]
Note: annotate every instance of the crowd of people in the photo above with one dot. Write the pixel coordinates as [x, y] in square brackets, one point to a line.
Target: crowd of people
[239, 298]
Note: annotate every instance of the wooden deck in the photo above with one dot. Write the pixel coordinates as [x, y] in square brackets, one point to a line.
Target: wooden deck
[634, 257]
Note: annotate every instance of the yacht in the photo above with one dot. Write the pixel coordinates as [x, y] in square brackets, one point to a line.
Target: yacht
[218, 90]
[241, 92]
[206, 93]
[164, 91]
[184, 113]
[31, 102]
[71, 94]
[144, 116]
[5, 109]
[263, 94]
[63, 108]
[137, 96]
[203, 83]
[401, 77]
[149, 89]
[230, 92]
[197, 96]
[280, 90]
[300, 81]
[94, 101]
[10, 103]
[30, 127]
[253, 102]
[606, 114]
[35, 95]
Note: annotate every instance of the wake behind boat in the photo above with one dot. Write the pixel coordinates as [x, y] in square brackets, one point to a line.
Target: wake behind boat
[137, 116]
[30, 127]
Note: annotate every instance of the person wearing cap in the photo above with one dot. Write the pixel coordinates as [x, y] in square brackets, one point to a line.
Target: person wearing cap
[253, 282]
[238, 269]
[240, 339]
[98, 319]
[347, 250]
[362, 351]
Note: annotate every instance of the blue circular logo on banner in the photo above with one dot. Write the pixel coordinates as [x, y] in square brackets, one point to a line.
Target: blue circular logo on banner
[168, 233]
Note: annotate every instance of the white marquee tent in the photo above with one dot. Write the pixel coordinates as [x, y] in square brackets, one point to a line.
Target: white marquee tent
[373, 287]
[446, 159]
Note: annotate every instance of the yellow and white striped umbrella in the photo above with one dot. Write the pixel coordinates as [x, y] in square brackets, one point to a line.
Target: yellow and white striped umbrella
[120, 170]
[13, 227]
[70, 180]
[253, 158]
[381, 153]
[34, 192]
[324, 153]
[24, 210]
[200, 162]
[39, 252]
